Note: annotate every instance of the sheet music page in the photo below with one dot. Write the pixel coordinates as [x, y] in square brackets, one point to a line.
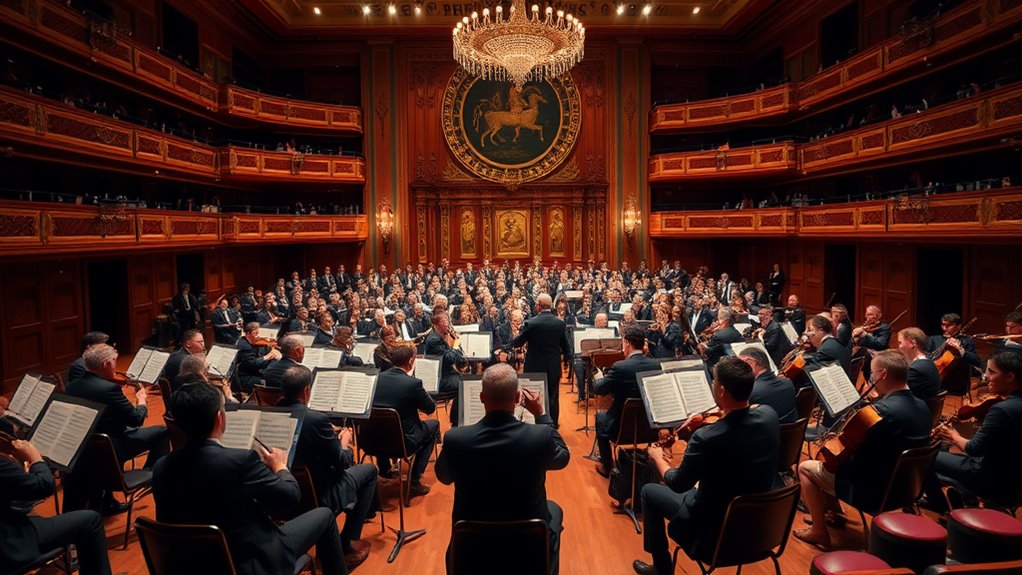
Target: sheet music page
[536, 386]
[428, 370]
[62, 430]
[241, 425]
[832, 384]
[220, 359]
[789, 331]
[695, 391]
[24, 391]
[326, 388]
[844, 384]
[474, 410]
[738, 346]
[623, 308]
[476, 345]
[364, 351]
[269, 333]
[154, 367]
[463, 329]
[355, 394]
[573, 294]
[578, 336]
[680, 364]
[276, 429]
[614, 323]
[138, 363]
[36, 402]
[307, 339]
[664, 398]
[742, 325]
[313, 355]
[331, 358]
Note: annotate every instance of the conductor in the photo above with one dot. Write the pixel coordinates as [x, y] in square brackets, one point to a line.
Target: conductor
[547, 339]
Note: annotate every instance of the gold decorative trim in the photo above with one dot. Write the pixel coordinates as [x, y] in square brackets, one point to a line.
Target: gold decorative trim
[452, 173]
[568, 172]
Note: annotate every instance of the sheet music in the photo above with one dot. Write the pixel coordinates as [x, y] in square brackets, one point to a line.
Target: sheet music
[269, 333]
[789, 331]
[153, 367]
[743, 325]
[364, 351]
[613, 323]
[695, 391]
[276, 429]
[307, 339]
[664, 398]
[473, 406]
[36, 402]
[573, 294]
[313, 356]
[476, 345]
[331, 358]
[623, 308]
[677, 364]
[463, 329]
[738, 346]
[138, 363]
[220, 358]
[592, 333]
[326, 388]
[241, 425]
[428, 370]
[834, 387]
[356, 388]
[62, 430]
[23, 393]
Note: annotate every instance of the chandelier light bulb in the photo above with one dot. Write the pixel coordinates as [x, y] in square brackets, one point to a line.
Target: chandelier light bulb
[366, 9]
[647, 9]
[620, 9]
[392, 9]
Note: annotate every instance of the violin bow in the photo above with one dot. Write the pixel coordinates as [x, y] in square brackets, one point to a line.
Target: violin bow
[899, 316]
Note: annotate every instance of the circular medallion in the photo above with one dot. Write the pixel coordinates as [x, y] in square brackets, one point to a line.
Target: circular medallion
[506, 135]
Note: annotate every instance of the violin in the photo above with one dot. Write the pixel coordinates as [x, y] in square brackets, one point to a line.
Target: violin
[685, 431]
[263, 342]
[979, 409]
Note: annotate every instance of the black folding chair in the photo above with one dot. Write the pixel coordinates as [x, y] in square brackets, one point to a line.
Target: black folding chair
[100, 458]
[500, 547]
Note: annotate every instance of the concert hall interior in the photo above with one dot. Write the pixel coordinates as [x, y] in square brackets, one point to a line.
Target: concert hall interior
[748, 262]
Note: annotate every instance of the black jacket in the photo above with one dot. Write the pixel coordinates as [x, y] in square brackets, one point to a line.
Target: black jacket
[450, 358]
[404, 393]
[319, 449]
[273, 375]
[119, 414]
[777, 392]
[620, 380]
[993, 463]
[250, 363]
[831, 350]
[19, 542]
[776, 343]
[548, 343]
[923, 378]
[715, 347]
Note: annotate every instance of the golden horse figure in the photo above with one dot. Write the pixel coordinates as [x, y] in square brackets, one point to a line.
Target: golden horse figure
[498, 119]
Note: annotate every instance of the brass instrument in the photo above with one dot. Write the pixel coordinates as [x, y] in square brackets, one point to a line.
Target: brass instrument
[1005, 337]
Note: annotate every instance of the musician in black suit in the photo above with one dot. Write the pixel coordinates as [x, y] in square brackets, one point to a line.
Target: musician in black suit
[735, 456]
[862, 479]
[192, 342]
[445, 343]
[769, 388]
[120, 420]
[225, 323]
[776, 281]
[957, 377]
[24, 537]
[344, 280]
[327, 282]
[701, 318]
[398, 389]
[714, 348]
[77, 367]
[774, 340]
[324, 331]
[251, 359]
[206, 483]
[1012, 327]
[340, 484]
[991, 466]
[620, 381]
[498, 466]
[186, 308]
[874, 335]
[420, 320]
[842, 324]
[827, 349]
[923, 377]
[546, 336]
[292, 352]
[795, 315]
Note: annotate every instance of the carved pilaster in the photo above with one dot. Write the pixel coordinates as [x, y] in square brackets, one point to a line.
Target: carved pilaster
[445, 232]
[487, 245]
[576, 220]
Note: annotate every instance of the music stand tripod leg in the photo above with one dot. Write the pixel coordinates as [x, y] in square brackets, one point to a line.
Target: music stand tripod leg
[402, 535]
[586, 427]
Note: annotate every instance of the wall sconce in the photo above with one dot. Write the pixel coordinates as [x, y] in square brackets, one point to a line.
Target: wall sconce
[631, 219]
[385, 223]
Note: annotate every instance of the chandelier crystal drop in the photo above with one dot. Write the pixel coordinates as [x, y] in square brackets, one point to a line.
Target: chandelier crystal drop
[519, 48]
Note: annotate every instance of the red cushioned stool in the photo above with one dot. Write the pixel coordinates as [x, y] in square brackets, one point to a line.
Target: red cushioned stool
[837, 562]
[984, 535]
[906, 540]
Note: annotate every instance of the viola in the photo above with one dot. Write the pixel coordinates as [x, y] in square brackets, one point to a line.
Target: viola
[978, 410]
[685, 431]
[838, 446]
[263, 342]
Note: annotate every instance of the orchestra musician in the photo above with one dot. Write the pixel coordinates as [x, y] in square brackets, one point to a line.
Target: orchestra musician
[186, 308]
[665, 335]
[269, 314]
[774, 340]
[546, 336]
[388, 342]
[776, 282]
[1012, 327]
[735, 456]
[324, 330]
[769, 388]
[923, 377]
[701, 317]
[195, 370]
[226, 323]
[77, 367]
[254, 355]
[724, 333]
[344, 341]
[827, 348]
[842, 324]
[371, 327]
[862, 479]
[873, 334]
[990, 463]
[443, 342]
[957, 378]
[192, 343]
[292, 352]
[300, 323]
[795, 315]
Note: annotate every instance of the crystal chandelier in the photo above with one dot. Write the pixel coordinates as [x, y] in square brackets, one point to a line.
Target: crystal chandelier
[519, 48]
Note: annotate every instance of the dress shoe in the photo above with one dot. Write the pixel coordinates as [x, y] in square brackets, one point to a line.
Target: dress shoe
[417, 488]
[358, 554]
[644, 568]
[602, 471]
[388, 474]
[114, 507]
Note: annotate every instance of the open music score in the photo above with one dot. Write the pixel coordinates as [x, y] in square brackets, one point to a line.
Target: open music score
[471, 406]
[833, 386]
[573, 294]
[468, 328]
[427, 368]
[306, 337]
[147, 365]
[63, 427]
[220, 359]
[277, 427]
[477, 344]
[344, 392]
[673, 397]
[686, 363]
[789, 332]
[364, 351]
[29, 399]
[268, 333]
[322, 357]
[736, 348]
[590, 333]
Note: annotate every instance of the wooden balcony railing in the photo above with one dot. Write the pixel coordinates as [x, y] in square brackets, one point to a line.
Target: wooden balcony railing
[966, 215]
[36, 227]
[52, 130]
[969, 24]
[961, 124]
[53, 23]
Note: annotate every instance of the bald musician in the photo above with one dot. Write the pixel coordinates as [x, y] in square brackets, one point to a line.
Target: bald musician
[547, 338]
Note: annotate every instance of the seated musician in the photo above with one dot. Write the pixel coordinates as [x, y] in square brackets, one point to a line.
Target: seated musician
[923, 377]
[192, 343]
[862, 479]
[226, 323]
[405, 329]
[292, 352]
[795, 315]
[269, 315]
[398, 389]
[842, 324]
[665, 336]
[620, 381]
[300, 323]
[584, 369]
[956, 377]
[445, 343]
[769, 388]
[344, 341]
[206, 483]
[826, 349]
[26, 537]
[324, 330]
[371, 327]
[121, 420]
[388, 342]
[77, 367]
[253, 357]
[734, 456]
[874, 334]
[194, 369]
[419, 319]
[340, 484]
[713, 349]
[991, 466]
[1012, 327]
[774, 340]
[498, 466]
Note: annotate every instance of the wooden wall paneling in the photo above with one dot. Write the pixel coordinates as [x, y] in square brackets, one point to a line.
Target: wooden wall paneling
[995, 287]
[899, 282]
[813, 270]
[627, 173]
[24, 320]
[870, 285]
[214, 281]
[141, 289]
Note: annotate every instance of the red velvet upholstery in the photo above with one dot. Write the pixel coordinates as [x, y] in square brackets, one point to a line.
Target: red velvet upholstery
[837, 562]
[984, 535]
[906, 540]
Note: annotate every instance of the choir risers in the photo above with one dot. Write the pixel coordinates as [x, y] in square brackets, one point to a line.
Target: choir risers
[952, 217]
